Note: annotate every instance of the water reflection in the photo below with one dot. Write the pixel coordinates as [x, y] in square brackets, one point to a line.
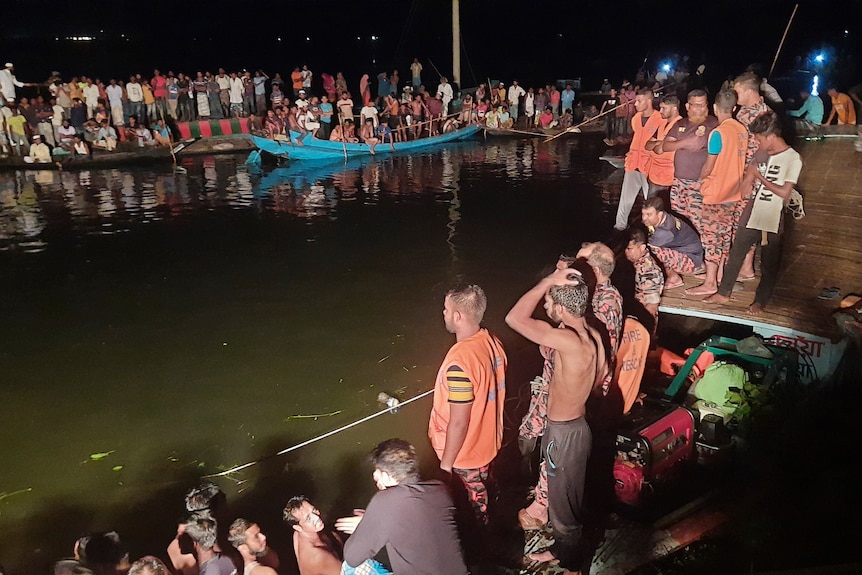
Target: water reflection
[118, 200]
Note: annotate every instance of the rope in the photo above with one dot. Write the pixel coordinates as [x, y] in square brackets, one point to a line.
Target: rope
[319, 437]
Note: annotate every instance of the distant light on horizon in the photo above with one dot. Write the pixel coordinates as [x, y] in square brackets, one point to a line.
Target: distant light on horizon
[81, 38]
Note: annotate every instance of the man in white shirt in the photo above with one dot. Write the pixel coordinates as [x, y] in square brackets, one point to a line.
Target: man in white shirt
[307, 75]
[302, 100]
[369, 111]
[8, 81]
[223, 81]
[237, 88]
[91, 97]
[514, 96]
[136, 97]
[57, 118]
[115, 102]
[39, 151]
[445, 90]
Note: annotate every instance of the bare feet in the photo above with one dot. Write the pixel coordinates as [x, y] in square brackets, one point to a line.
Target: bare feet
[674, 283]
[702, 289]
[716, 298]
[745, 277]
[543, 557]
[755, 308]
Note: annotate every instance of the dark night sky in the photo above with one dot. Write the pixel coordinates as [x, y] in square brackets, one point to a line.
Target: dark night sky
[501, 39]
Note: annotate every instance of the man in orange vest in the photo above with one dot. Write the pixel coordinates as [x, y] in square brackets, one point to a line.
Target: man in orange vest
[722, 202]
[660, 174]
[645, 124]
[466, 423]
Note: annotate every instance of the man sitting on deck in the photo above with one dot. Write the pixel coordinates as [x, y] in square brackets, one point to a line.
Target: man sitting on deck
[762, 221]
[673, 242]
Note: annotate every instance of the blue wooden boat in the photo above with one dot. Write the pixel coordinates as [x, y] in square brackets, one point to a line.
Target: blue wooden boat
[314, 149]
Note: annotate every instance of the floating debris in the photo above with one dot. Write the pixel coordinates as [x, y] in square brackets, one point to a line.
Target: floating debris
[312, 415]
[382, 359]
[100, 456]
[117, 468]
[4, 495]
[389, 401]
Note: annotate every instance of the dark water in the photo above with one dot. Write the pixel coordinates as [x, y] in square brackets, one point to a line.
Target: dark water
[178, 321]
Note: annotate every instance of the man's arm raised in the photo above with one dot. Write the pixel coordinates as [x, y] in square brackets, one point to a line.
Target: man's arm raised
[520, 317]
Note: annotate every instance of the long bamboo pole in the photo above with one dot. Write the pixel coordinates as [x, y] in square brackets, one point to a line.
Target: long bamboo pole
[783, 36]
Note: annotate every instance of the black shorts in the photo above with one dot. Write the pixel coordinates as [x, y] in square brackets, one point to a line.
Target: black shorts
[394, 122]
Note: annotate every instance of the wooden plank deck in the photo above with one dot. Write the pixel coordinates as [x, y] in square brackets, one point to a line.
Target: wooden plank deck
[822, 250]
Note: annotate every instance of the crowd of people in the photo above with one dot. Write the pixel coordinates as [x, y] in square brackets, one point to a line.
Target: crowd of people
[713, 187]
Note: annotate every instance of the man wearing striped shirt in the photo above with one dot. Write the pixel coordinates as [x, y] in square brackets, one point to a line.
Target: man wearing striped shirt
[466, 423]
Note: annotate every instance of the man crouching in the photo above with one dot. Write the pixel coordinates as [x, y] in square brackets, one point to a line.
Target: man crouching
[580, 366]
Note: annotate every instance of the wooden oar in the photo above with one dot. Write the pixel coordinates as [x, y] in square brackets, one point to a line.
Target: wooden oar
[575, 129]
[514, 131]
[585, 122]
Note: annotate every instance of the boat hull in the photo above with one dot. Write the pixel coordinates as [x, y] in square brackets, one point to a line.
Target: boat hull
[314, 149]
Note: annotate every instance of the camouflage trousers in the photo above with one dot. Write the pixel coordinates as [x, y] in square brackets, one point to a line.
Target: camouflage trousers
[475, 482]
[533, 424]
[719, 224]
[687, 201]
[674, 260]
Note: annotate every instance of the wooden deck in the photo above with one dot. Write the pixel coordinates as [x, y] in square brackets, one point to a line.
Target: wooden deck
[820, 251]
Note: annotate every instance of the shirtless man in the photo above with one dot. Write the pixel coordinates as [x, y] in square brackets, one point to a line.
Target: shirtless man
[318, 552]
[368, 135]
[250, 541]
[580, 367]
[417, 108]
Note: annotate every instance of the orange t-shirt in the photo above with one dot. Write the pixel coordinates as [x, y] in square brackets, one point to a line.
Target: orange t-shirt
[631, 360]
[661, 165]
[844, 109]
[296, 78]
[474, 371]
[638, 158]
[720, 186]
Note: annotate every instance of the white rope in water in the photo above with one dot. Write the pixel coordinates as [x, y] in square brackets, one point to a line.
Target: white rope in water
[319, 437]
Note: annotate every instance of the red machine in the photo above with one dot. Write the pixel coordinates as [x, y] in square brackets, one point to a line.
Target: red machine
[663, 437]
[652, 449]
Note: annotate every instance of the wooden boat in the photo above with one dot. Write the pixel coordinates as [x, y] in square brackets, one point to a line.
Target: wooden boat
[100, 159]
[313, 149]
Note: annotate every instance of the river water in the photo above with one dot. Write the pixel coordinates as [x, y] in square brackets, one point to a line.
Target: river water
[159, 326]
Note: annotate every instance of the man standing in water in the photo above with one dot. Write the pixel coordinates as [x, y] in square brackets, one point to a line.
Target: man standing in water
[318, 552]
[250, 541]
[466, 423]
[580, 366]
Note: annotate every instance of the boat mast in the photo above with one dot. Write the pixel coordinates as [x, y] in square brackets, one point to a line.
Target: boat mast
[456, 43]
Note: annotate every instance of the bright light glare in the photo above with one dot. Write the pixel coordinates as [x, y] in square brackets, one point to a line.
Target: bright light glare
[819, 58]
[814, 85]
[666, 67]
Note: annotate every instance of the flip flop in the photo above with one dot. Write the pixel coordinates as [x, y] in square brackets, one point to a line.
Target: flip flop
[829, 293]
[746, 279]
[675, 285]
